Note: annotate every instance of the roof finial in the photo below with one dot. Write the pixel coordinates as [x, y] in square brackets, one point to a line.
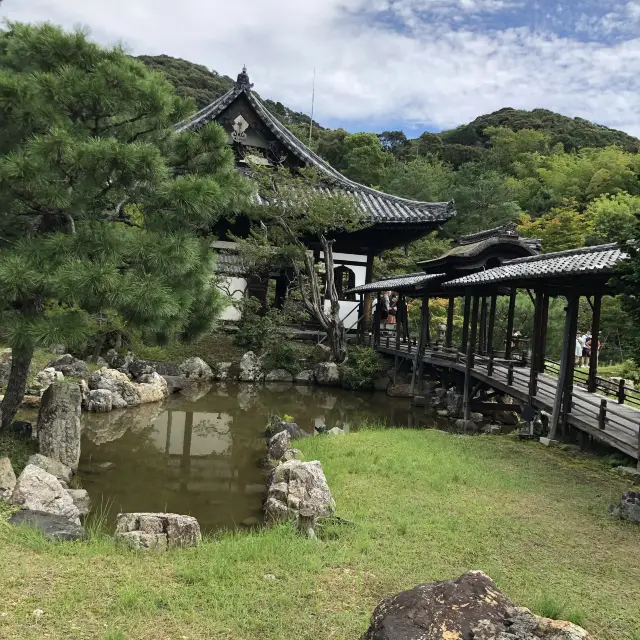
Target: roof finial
[243, 82]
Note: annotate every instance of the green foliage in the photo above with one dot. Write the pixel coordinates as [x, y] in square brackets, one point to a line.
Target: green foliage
[361, 369]
[398, 261]
[18, 450]
[613, 217]
[286, 354]
[560, 229]
[365, 160]
[258, 328]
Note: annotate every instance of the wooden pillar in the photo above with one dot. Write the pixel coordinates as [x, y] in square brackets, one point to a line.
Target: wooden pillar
[368, 278]
[482, 337]
[592, 383]
[510, 316]
[376, 321]
[465, 321]
[544, 327]
[405, 319]
[466, 400]
[492, 323]
[473, 331]
[399, 320]
[535, 344]
[567, 361]
[427, 322]
[450, 312]
[418, 365]
[281, 290]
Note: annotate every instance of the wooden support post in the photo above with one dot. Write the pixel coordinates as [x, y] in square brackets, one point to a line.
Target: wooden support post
[510, 317]
[492, 323]
[465, 322]
[376, 321]
[418, 365]
[535, 344]
[490, 365]
[544, 326]
[427, 322]
[450, 312]
[399, 320]
[482, 339]
[466, 400]
[602, 417]
[621, 393]
[592, 383]
[567, 362]
[368, 278]
[510, 374]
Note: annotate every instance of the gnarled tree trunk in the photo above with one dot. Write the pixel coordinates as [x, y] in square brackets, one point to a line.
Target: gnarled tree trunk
[20, 363]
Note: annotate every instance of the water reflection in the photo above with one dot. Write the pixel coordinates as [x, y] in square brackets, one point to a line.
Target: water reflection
[198, 454]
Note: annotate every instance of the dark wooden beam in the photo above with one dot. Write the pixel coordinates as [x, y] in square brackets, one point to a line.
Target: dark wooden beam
[535, 344]
[399, 320]
[450, 312]
[544, 329]
[376, 321]
[465, 321]
[482, 341]
[368, 278]
[592, 383]
[510, 317]
[492, 323]
[466, 400]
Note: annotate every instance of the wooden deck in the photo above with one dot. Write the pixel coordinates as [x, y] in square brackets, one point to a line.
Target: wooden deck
[588, 411]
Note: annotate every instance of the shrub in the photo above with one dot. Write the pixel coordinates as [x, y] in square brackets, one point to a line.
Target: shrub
[287, 355]
[255, 329]
[361, 369]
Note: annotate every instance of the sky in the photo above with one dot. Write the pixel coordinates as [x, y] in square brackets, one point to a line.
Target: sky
[414, 65]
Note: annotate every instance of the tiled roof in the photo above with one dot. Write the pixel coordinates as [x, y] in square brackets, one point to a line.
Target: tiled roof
[397, 283]
[380, 207]
[602, 259]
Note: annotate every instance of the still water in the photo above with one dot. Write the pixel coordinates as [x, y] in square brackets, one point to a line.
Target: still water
[199, 454]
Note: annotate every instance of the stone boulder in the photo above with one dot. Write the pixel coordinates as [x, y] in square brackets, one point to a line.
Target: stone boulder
[59, 423]
[81, 500]
[471, 606]
[279, 444]
[139, 368]
[454, 403]
[158, 531]
[100, 401]
[43, 381]
[628, 508]
[327, 374]
[336, 431]
[402, 390]
[53, 527]
[467, 426]
[304, 377]
[54, 467]
[278, 375]
[506, 417]
[69, 366]
[175, 384]
[124, 392]
[250, 368]
[196, 369]
[321, 353]
[152, 387]
[38, 490]
[7, 479]
[278, 425]
[294, 486]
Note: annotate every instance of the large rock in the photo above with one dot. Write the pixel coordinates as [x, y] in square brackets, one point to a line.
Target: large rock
[40, 491]
[59, 423]
[250, 367]
[506, 417]
[158, 531]
[304, 377]
[123, 391]
[56, 528]
[277, 425]
[69, 366]
[196, 369]
[7, 479]
[81, 499]
[327, 374]
[279, 444]
[471, 606]
[399, 390]
[152, 387]
[61, 471]
[628, 508]
[100, 401]
[455, 402]
[321, 353]
[294, 486]
[278, 375]
[43, 381]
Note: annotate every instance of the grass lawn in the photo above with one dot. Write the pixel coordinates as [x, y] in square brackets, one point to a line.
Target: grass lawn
[425, 505]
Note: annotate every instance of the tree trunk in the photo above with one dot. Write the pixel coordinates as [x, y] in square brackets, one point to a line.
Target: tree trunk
[98, 347]
[20, 363]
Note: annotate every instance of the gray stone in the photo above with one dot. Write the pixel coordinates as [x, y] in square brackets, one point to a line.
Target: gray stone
[151, 387]
[56, 468]
[196, 369]
[69, 366]
[38, 490]
[628, 508]
[81, 499]
[402, 390]
[250, 368]
[43, 381]
[59, 423]
[111, 356]
[495, 429]
[468, 426]
[304, 377]
[327, 374]
[442, 413]
[441, 392]
[506, 417]
[278, 375]
[476, 417]
[223, 371]
[7, 479]
[336, 431]
[321, 353]
[454, 403]
[122, 389]
[291, 454]
[292, 428]
[471, 606]
[548, 442]
[175, 383]
[100, 401]
[55, 528]
[278, 444]
[159, 531]
[297, 485]
[101, 362]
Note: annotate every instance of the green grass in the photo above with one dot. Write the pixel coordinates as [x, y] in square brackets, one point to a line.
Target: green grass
[18, 450]
[424, 506]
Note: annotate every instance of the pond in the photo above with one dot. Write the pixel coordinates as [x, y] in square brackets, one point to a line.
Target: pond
[199, 454]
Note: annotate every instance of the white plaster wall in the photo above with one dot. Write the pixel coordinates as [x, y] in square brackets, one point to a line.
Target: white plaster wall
[235, 288]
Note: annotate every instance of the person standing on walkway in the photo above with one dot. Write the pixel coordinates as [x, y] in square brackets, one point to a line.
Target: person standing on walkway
[578, 351]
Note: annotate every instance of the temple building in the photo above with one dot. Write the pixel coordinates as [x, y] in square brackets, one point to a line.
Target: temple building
[259, 137]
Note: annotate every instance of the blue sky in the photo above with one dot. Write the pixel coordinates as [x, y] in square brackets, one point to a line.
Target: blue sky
[414, 65]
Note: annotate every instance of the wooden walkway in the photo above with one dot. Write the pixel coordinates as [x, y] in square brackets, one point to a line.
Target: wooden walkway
[618, 425]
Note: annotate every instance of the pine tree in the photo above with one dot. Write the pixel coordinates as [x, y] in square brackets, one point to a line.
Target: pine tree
[104, 210]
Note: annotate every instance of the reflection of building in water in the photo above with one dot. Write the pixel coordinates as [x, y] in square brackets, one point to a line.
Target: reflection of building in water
[209, 433]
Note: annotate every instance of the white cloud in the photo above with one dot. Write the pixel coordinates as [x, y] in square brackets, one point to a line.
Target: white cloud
[418, 62]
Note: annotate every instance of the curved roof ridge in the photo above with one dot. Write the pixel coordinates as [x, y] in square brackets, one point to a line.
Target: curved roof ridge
[566, 252]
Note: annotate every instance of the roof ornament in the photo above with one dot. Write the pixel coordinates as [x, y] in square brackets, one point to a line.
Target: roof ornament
[243, 83]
